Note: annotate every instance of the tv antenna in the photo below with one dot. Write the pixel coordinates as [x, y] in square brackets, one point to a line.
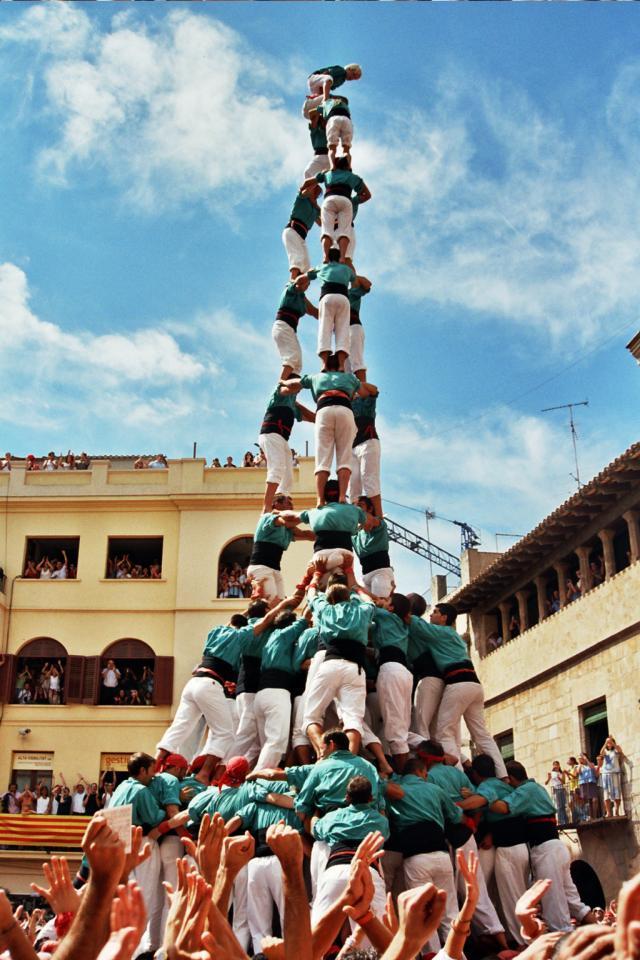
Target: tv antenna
[572, 428]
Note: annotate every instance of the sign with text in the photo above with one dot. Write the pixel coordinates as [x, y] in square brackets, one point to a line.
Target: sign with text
[114, 761]
[31, 760]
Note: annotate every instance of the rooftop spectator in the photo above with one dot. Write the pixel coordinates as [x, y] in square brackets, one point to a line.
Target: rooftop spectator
[159, 462]
[230, 463]
[5, 462]
[32, 463]
[248, 460]
[573, 591]
[610, 760]
[83, 462]
[50, 462]
[494, 640]
[259, 460]
[514, 627]
[215, 464]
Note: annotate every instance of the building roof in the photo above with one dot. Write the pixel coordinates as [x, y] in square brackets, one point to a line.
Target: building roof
[616, 480]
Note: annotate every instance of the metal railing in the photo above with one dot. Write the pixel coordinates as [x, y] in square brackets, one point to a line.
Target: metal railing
[608, 798]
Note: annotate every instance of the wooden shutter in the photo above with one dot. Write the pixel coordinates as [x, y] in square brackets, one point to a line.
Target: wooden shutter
[163, 682]
[74, 680]
[91, 680]
[7, 679]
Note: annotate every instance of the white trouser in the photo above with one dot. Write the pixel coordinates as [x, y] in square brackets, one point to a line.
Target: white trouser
[381, 582]
[426, 701]
[551, 861]
[264, 888]
[510, 867]
[331, 886]
[335, 429]
[319, 163]
[277, 453]
[287, 345]
[201, 697]
[365, 469]
[148, 876]
[485, 918]
[466, 700]
[356, 348]
[269, 581]
[373, 717]
[315, 83]
[336, 216]
[319, 855]
[340, 129]
[351, 249]
[434, 868]
[240, 922]
[246, 743]
[171, 850]
[333, 317]
[343, 681]
[299, 736]
[394, 686]
[273, 717]
[334, 559]
[296, 248]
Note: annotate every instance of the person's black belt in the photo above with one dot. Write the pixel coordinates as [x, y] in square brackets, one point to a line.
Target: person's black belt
[344, 649]
[508, 831]
[299, 684]
[332, 540]
[289, 317]
[343, 853]
[338, 112]
[300, 228]
[392, 654]
[461, 672]
[457, 834]
[248, 675]
[278, 420]
[338, 190]
[333, 399]
[365, 430]
[262, 847]
[541, 829]
[321, 151]
[425, 666]
[354, 318]
[272, 678]
[266, 554]
[375, 561]
[423, 837]
[217, 669]
[332, 287]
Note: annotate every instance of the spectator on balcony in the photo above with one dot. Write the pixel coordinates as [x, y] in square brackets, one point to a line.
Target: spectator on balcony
[61, 568]
[32, 463]
[573, 784]
[83, 462]
[146, 685]
[215, 464]
[24, 676]
[229, 463]
[514, 627]
[134, 699]
[140, 464]
[159, 462]
[50, 462]
[27, 802]
[259, 460]
[247, 460]
[43, 800]
[63, 805]
[11, 799]
[556, 777]
[110, 680]
[31, 571]
[56, 674]
[554, 603]
[155, 571]
[610, 762]
[494, 640]
[91, 800]
[588, 780]
[69, 462]
[42, 684]
[106, 796]
[5, 462]
[120, 699]
[27, 694]
[596, 568]
[573, 591]
[45, 568]
[77, 798]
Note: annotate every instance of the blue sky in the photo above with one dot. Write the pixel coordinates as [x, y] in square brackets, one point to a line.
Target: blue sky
[150, 154]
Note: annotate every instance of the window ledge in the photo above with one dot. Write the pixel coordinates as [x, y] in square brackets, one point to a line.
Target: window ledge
[132, 580]
[49, 580]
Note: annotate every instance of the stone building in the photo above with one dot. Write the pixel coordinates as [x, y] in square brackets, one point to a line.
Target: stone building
[554, 624]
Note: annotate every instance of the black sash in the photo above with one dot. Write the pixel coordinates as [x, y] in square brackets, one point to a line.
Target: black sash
[266, 554]
[288, 317]
[461, 672]
[354, 318]
[375, 561]
[329, 400]
[338, 189]
[541, 829]
[332, 540]
[321, 151]
[343, 853]
[276, 679]
[457, 833]
[365, 430]
[423, 837]
[392, 654]
[331, 287]
[248, 675]
[508, 832]
[425, 666]
[299, 228]
[216, 665]
[338, 112]
[278, 420]
[342, 649]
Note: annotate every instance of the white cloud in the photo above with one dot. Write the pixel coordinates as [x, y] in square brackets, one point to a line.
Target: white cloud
[56, 28]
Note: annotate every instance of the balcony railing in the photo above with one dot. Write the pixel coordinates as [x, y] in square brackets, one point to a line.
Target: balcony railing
[604, 801]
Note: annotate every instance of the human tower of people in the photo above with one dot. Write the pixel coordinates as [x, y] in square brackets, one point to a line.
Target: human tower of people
[289, 702]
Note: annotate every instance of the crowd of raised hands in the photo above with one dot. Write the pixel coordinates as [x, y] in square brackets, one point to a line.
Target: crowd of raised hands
[106, 919]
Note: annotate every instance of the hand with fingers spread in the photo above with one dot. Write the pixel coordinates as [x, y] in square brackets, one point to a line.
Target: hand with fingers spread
[208, 850]
[370, 849]
[593, 942]
[178, 900]
[128, 910]
[543, 947]
[105, 853]
[361, 907]
[469, 870]
[140, 851]
[627, 911]
[194, 920]
[419, 914]
[61, 895]
[120, 945]
[527, 910]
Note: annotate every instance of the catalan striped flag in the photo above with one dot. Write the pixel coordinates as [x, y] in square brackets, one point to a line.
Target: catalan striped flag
[34, 830]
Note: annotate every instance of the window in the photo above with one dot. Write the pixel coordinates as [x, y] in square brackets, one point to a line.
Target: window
[595, 727]
[40, 673]
[51, 558]
[113, 768]
[232, 569]
[134, 558]
[505, 745]
[127, 674]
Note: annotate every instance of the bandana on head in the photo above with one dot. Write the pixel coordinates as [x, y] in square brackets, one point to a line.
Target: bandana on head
[236, 772]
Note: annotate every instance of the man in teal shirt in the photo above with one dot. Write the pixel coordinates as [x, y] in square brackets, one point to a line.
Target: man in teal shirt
[333, 307]
[304, 213]
[293, 305]
[390, 638]
[281, 413]
[342, 186]
[371, 546]
[427, 677]
[360, 287]
[273, 535]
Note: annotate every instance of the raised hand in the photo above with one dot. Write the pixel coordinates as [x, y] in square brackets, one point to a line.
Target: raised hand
[237, 851]
[469, 870]
[419, 914]
[531, 925]
[286, 843]
[128, 911]
[627, 935]
[360, 907]
[208, 851]
[587, 943]
[370, 848]
[140, 851]
[104, 851]
[61, 895]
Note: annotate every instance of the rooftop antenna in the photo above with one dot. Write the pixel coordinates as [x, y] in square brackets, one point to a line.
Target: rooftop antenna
[429, 515]
[469, 538]
[574, 434]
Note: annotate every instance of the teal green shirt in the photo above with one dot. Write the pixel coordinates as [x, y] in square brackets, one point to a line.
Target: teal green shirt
[530, 800]
[226, 801]
[341, 178]
[344, 517]
[451, 780]
[350, 824]
[444, 643]
[325, 787]
[493, 789]
[305, 210]
[318, 134]
[333, 272]
[293, 299]
[277, 653]
[166, 789]
[272, 532]
[195, 787]
[146, 811]
[306, 647]
[389, 630]
[331, 103]
[319, 383]
[366, 542]
[349, 620]
[422, 801]
[364, 407]
[228, 643]
[355, 296]
[258, 816]
[296, 776]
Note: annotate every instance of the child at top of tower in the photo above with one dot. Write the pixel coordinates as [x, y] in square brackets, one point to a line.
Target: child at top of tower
[325, 79]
